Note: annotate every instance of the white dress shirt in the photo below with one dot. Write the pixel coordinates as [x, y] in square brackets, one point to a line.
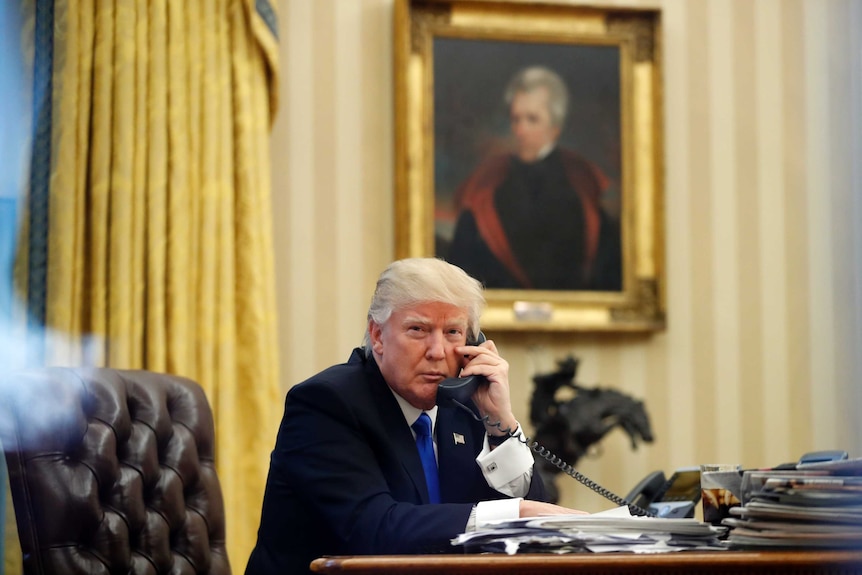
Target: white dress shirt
[508, 469]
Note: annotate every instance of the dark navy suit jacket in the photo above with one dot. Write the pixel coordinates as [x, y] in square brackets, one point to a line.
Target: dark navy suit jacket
[345, 476]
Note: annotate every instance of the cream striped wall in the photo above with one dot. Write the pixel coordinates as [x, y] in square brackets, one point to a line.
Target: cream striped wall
[762, 357]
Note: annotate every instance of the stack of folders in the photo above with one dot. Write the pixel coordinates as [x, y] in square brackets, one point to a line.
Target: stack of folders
[815, 506]
[614, 530]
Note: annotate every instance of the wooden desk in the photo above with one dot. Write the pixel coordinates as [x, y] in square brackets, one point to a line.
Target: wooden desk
[687, 562]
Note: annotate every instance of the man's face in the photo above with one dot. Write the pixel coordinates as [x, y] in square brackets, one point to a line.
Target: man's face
[530, 119]
[415, 349]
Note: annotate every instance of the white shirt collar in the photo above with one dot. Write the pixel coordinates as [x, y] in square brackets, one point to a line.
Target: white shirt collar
[543, 153]
[411, 414]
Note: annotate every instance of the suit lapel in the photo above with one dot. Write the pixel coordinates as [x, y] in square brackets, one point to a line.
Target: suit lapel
[456, 452]
[398, 432]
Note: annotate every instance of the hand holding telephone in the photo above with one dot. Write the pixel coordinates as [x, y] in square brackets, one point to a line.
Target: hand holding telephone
[459, 390]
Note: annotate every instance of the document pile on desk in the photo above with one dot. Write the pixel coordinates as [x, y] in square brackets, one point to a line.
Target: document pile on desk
[614, 530]
[816, 506]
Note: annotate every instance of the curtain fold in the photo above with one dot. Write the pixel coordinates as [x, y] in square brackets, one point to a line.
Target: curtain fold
[159, 240]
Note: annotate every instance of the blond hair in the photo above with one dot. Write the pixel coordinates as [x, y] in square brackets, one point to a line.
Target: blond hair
[418, 280]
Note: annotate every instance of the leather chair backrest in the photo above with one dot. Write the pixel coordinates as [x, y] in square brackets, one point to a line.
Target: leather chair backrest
[112, 471]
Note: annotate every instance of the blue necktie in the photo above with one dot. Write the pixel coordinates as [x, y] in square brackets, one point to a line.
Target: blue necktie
[425, 445]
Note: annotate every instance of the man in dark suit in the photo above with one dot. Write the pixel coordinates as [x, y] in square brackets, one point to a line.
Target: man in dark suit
[346, 476]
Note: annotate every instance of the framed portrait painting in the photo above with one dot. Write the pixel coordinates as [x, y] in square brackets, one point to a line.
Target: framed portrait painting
[528, 152]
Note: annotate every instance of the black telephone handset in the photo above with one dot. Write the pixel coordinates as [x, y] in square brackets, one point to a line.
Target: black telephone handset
[459, 390]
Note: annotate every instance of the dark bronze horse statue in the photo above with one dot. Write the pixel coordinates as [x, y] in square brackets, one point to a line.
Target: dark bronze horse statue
[568, 428]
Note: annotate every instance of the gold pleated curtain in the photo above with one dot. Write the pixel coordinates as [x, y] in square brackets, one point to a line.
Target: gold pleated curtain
[148, 241]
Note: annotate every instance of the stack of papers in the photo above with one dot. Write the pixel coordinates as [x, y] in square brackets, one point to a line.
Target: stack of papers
[614, 530]
[817, 506]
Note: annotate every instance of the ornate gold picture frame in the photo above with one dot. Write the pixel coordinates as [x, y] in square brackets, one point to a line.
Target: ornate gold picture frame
[529, 152]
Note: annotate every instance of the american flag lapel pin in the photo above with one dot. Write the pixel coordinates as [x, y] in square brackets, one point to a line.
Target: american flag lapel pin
[459, 439]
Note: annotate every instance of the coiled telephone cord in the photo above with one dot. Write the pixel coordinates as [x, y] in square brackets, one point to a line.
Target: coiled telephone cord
[554, 460]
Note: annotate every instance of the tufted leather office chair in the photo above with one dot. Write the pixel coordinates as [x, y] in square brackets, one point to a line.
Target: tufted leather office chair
[112, 472]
